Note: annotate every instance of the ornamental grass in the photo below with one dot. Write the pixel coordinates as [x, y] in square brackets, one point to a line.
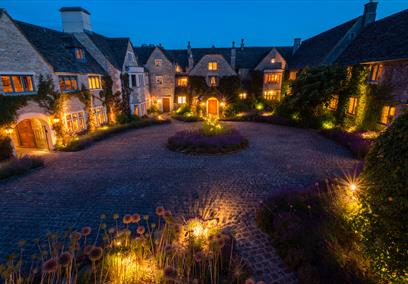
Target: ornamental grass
[131, 250]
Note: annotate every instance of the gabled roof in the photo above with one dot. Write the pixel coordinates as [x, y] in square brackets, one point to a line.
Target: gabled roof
[386, 39]
[2, 11]
[114, 49]
[143, 53]
[56, 48]
[313, 51]
[250, 57]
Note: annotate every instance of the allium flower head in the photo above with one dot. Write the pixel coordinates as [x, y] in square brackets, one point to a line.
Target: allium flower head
[140, 230]
[75, 236]
[136, 218]
[127, 219]
[160, 211]
[65, 259]
[50, 266]
[250, 281]
[96, 253]
[86, 231]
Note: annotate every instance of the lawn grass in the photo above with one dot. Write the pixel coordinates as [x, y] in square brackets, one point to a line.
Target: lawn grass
[19, 166]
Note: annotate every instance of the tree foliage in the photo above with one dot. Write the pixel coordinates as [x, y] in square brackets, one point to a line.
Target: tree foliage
[230, 86]
[126, 90]
[384, 215]
[111, 100]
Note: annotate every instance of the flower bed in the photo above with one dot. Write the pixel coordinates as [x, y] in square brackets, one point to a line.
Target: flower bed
[187, 118]
[197, 142]
[312, 231]
[357, 144]
[85, 141]
[138, 249]
[19, 166]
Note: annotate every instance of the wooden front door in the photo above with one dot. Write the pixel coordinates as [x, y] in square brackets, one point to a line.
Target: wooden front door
[40, 134]
[166, 104]
[26, 134]
[212, 107]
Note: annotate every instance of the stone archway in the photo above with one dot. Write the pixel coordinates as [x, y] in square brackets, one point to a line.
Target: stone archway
[33, 131]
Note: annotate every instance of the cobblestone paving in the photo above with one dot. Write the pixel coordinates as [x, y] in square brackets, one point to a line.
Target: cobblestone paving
[134, 172]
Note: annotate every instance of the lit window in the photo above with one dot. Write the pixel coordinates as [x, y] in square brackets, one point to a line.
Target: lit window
[292, 75]
[334, 101]
[182, 82]
[181, 99]
[213, 81]
[272, 78]
[375, 72]
[100, 115]
[242, 96]
[159, 80]
[352, 106]
[157, 62]
[212, 66]
[94, 82]
[75, 122]
[17, 83]
[68, 83]
[273, 60]
[79, 54]
[387, 114]
[178, 69]
[271, 95]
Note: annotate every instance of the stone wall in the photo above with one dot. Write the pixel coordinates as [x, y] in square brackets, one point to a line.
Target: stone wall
[201, 68]
[167, 71]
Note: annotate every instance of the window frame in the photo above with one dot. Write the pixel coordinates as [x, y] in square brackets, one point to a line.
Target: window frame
[243, 96]
[181, 99]
[271, 95]
[389, 118]
[354, 106]
[23, 84]
[71, 78]
[212, 66]
[133, 80]
[100, 112]
[335, 99]
[159, 80]
[376, 71]
[81, 52]
[182, 79]
[90, 78]
[213, 81]
[80, 116]
[158, 62]
[268, 78]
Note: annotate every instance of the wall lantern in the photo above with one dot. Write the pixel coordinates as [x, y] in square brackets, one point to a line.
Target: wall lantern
[273, 60]
[202, 104]
[159, 101]
[56, 120]
[222, 104]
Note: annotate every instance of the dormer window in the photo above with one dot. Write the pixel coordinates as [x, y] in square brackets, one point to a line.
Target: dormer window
[130, 57]
[79, 54]
[212, 66]
[157, 62]
[213, 81]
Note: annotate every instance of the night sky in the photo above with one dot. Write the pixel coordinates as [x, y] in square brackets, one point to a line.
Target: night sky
[204, 23]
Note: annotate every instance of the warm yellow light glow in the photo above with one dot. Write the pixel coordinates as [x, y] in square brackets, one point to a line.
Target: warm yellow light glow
[243, 96]
[222, 104]
[104, 127]
[159, 101]
[328, 125]
[353, 187]
[202, 104]
[9, 131]
[56, 120]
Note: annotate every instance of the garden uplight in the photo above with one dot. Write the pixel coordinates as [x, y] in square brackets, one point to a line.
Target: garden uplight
[353, 187]
[222, 104]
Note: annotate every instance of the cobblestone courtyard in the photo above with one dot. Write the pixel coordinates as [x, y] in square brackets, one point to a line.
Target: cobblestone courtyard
[134, 172]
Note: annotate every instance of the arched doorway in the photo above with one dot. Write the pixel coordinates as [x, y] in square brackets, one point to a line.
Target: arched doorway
[212, 106]
[31, 133]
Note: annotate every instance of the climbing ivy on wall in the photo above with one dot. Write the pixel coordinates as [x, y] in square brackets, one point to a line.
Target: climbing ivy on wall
[125, 105]
[86, 98]
[256, 84]
[230, 87]
[8, 108]
[110, 100]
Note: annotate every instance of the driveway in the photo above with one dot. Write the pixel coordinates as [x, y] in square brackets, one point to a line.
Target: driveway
[134, 172]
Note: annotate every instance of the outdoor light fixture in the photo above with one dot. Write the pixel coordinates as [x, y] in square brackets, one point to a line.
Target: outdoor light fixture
[222, 104]
[353, 187]
[56, 120]
[273, 60]
[9, 131]
[202, 104]
[159, 101]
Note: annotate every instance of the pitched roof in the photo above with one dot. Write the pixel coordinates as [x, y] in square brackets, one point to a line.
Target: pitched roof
[1, 11]
[386, 39]
[56, 48]
[313, 51]
[143, 53]
[114, 49]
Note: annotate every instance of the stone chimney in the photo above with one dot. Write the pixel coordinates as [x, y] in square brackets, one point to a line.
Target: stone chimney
[190, 57]
[75, 20]
[233, 55]
[370, 12]
[242, 44]
[296, 44]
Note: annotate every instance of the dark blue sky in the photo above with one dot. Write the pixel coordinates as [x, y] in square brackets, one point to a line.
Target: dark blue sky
[204, 22]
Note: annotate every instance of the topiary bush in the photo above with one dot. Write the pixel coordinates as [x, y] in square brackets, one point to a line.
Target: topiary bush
[383, 221]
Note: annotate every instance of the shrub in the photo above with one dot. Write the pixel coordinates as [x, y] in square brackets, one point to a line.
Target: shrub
[154, 109]
[384, 214]
[19, 166]
[354, 141]
[123, 118]
[183, 109]
[310, 231]
[237, 107]
[187, 118]
[6, 150]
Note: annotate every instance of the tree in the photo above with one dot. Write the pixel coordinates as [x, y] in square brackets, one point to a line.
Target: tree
[110, 100]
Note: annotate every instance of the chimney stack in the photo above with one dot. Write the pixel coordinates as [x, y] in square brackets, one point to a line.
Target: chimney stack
[242, 44]
[233, 55]
[296, 44]
[75, 20]
[190, 57]
[370, 12]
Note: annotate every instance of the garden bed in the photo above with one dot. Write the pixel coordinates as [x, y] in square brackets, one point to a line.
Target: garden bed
[354, 141]
[311, 231]
[19, 166]
[86, 140]
[134, 248]
[196, 142]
